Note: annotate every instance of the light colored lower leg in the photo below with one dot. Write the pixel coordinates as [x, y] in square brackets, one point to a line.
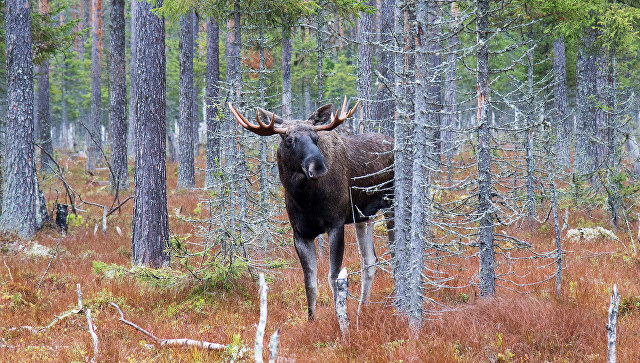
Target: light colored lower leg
[364, 236]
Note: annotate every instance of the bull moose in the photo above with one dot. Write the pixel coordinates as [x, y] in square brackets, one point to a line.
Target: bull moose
[329, 181]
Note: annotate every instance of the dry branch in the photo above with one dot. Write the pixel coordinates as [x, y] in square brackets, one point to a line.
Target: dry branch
[170, 342]
[273, 346]
[257, 351]
[8, 269]
[611, 325]
[55, 253]
[94, 336]
[57, 318]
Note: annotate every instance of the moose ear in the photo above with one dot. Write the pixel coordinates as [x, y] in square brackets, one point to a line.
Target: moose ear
[322, 115]
[265, 117]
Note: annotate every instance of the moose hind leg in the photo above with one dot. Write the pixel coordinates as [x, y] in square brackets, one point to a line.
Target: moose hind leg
[364, 236]
[306, 250]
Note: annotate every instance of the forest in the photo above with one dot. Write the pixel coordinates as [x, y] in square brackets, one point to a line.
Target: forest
[465, 173]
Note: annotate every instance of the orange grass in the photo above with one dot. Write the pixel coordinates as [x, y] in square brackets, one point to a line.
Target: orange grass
[510, 327]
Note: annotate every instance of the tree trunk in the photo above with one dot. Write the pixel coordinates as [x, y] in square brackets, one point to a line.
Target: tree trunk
[487, 275]
[64, 127]
[133, 73]
[306, 95]
[186, 171]
[19, 179]
[44, 120]
[286, 73]
[563, 126]
[194, 98]
[94, 139]
[320, 50]
[434, 76]
[213, 87]
[586, 74]
[450, 118]
[528, 145]
[366, 37]
[118, 94]
[385, 111]
[150, 227]
[402, 163]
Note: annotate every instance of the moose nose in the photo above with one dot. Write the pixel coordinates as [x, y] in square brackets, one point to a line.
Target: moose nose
[315, 170]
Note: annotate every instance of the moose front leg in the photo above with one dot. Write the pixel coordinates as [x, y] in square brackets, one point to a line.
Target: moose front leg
[336, 253]
[306, 250]
[364, 236]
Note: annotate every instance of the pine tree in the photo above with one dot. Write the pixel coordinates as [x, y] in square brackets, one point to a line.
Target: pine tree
[150, 227]
[19, 179]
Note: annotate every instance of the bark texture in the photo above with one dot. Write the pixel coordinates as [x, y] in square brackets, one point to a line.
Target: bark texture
[186, 171]
[487, 275]
[286, 73]
[117, 109]
[94, 137]
[385, 110]
[366, 36]
[43, 111]
[212, 94]
[150, 227]
[44, 120]
[19, 179]
[133, 74]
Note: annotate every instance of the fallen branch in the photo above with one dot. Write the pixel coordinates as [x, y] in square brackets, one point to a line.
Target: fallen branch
[8, 269]
[55, 253]
[170, 342]
[58, 318]
[94, 336]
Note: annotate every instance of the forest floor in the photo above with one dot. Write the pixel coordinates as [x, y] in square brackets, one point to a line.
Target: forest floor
[512, 327]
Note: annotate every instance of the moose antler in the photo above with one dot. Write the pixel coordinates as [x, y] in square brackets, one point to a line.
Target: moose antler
[260, 129]
[339, 118]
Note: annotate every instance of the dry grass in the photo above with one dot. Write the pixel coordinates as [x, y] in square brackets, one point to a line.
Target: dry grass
[511, 327]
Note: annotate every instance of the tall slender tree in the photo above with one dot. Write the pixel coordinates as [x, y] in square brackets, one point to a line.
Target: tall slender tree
[94, 137]
[118, 109]
[487, 275]
[212, 91]
[19, 179]
[366, 36]
[150, 227]
[385, 112]
[286, 72]
[186, 171]
[44, 113]
[133, 74]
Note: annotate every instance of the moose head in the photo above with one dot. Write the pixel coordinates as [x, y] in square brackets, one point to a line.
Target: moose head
[299, 139]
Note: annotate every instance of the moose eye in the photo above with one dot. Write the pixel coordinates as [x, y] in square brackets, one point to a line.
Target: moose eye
[289, 141]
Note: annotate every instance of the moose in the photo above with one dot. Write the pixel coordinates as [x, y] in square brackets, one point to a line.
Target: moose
[329, 181]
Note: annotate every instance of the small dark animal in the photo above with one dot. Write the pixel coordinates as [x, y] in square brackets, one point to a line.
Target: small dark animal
[62, 210]
[329, 181]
